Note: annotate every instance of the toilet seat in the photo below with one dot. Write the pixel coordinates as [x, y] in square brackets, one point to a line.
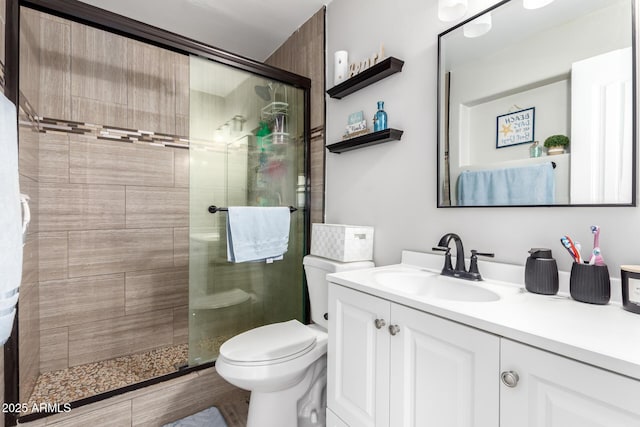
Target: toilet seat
[274, 343]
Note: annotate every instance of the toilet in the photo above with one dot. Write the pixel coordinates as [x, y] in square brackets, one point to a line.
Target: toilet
[284, 365]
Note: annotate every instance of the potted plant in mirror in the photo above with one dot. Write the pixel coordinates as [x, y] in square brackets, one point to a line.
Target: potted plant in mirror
[556, 144]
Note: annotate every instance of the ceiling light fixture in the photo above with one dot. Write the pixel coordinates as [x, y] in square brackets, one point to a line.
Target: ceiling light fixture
[478, 27]
[451, 10]
[535, 4]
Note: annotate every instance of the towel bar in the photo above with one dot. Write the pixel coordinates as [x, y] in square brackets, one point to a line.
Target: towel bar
[213, 209]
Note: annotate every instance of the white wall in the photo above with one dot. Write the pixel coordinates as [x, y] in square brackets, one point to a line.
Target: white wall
[478, 146]
[392, 186]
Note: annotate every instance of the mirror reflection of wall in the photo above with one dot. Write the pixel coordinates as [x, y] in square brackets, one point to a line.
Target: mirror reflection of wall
[571, 61]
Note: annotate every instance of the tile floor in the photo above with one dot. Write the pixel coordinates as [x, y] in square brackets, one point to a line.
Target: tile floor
[87, 380]
[83, 381]
[235, 411]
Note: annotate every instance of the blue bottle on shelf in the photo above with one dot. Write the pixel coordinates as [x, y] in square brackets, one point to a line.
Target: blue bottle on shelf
[380, 119]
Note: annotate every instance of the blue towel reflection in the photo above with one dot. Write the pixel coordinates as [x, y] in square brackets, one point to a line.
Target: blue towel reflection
[527, 185]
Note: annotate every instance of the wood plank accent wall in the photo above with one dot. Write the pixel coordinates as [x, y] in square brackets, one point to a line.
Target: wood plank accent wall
[303, 53]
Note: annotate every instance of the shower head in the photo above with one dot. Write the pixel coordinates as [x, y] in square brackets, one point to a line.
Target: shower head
[264, 92]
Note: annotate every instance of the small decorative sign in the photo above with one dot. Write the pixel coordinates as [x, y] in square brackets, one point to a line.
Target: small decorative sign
[358, 67]
[356, 126]
[356, 117]
[515, 128]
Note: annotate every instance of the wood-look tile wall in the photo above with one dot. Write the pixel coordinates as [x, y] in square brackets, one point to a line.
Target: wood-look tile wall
[303, 53]
[114, 246]
[114, 216]
[29, 336]
[93, 76]
[105, 265]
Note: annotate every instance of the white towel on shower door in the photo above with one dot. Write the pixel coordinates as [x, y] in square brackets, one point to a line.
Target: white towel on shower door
[10, 218]
[257, 233]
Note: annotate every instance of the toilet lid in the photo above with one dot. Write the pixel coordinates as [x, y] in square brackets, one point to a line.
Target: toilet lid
[268, 342]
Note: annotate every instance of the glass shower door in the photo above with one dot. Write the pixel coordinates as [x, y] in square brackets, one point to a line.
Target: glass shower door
[246, 149]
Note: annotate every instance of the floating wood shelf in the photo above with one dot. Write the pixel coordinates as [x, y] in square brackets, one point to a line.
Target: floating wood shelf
[369, 76]
[366, 140]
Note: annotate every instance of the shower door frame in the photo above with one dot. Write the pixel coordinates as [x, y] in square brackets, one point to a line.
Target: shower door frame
[111, 22]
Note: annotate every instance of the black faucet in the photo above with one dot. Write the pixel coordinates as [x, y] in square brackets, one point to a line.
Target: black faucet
[460, 271]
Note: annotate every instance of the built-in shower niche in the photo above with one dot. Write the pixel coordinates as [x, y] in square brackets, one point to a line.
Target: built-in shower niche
[123, 146]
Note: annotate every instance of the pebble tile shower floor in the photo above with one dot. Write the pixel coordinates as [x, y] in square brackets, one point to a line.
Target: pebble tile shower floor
[87, 380]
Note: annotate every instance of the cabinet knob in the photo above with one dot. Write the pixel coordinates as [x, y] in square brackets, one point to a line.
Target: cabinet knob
[394, 329]
[379, 323]
[510, 378]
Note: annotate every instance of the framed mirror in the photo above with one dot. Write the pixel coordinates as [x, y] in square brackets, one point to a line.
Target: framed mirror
[524, 76]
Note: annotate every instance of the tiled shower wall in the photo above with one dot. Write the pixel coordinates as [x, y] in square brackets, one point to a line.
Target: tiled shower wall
[94, 218]
[113, 249]
[29, 346]
[113, 267]
[303, 53]
[97, 77]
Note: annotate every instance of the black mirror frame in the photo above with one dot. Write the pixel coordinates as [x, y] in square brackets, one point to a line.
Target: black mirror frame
[439, 118]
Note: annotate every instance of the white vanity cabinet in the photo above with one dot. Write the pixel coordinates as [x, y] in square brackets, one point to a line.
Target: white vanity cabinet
[390, 365]
[333, 420]
[553, 391]
[358, 357]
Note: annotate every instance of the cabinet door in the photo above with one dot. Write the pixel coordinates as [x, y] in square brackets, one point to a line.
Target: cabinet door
[358, 358]
[333, 420]
[442, 373]
[553, 391]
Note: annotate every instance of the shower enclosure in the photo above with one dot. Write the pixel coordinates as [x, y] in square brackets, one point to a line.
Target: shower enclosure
[246, 149]
[127, 136]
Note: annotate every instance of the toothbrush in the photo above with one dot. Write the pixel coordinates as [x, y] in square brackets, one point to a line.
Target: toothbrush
[596, 258]
[579, 249]
[567, 246]
[578, 258]
[570, 247]
[595, 230]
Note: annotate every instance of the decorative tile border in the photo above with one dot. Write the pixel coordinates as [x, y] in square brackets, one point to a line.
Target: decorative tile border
[317, 133]
[29, 118]
[112, 133]
[3, 82]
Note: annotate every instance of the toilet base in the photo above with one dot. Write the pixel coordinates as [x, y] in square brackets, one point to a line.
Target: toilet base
[301, 405]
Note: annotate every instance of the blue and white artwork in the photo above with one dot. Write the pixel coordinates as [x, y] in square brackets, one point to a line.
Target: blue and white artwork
[515, 128]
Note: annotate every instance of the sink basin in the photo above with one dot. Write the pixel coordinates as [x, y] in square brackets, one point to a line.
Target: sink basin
[433, 285]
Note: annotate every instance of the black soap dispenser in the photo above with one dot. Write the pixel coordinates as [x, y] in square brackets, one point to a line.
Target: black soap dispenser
[541, 272]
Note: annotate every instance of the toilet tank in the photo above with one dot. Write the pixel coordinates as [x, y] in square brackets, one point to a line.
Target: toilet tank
[316, 269]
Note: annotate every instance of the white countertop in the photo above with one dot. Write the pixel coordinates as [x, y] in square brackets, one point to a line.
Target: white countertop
[605, 336]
